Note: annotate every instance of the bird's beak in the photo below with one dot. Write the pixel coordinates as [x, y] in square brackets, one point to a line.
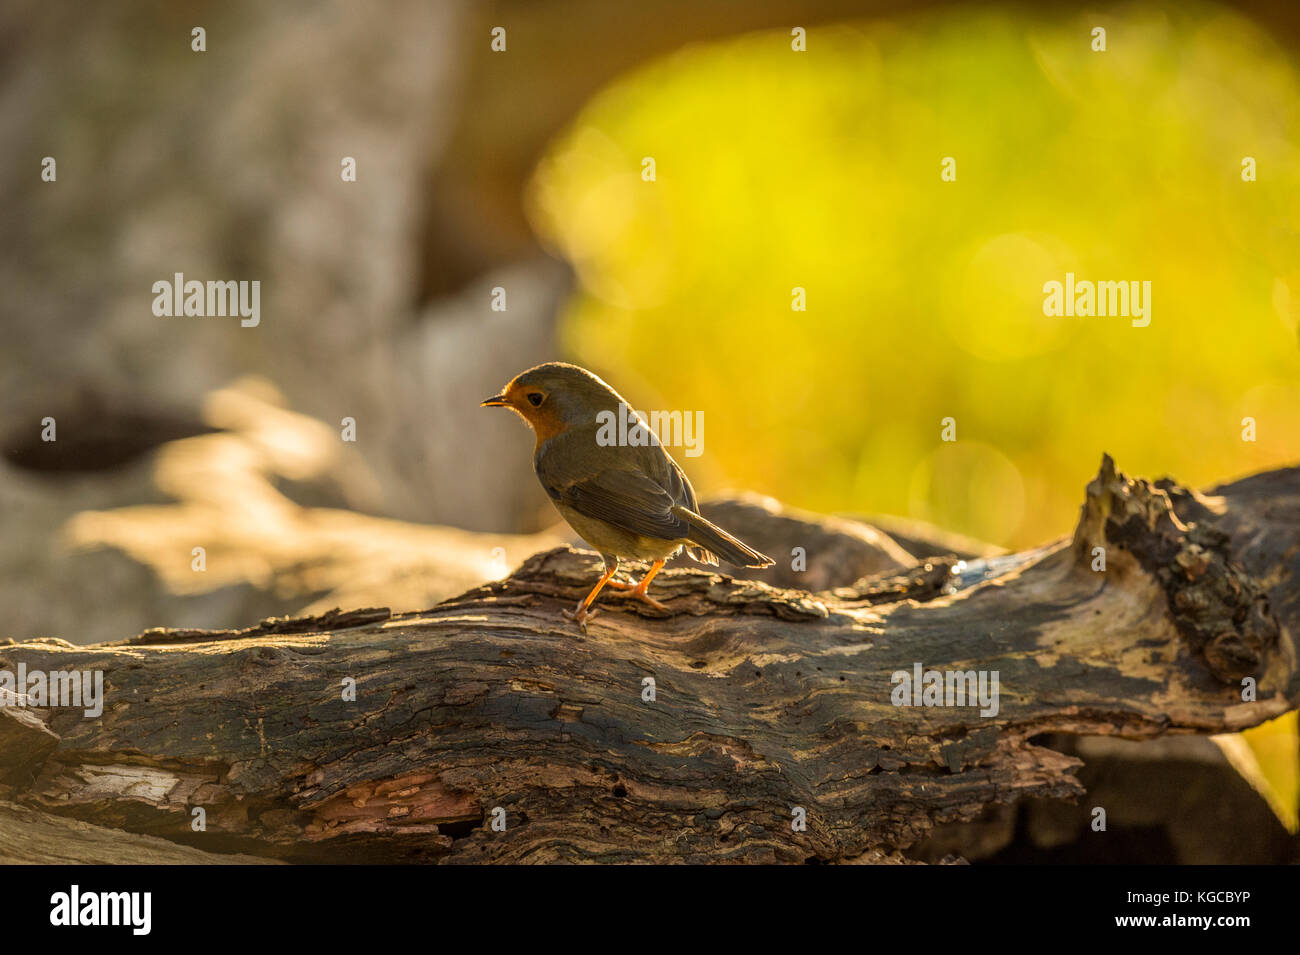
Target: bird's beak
[496, 401]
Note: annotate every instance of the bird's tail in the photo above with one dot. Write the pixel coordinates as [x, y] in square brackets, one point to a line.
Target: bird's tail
[715, 541]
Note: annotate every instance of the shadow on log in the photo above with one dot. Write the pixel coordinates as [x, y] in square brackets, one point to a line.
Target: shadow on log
[699, 734]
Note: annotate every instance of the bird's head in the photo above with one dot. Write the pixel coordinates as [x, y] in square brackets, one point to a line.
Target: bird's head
[555, 397]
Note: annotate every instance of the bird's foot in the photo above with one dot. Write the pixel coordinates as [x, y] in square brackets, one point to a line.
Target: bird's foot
[620, 585]
[645, 598]
[580, 616]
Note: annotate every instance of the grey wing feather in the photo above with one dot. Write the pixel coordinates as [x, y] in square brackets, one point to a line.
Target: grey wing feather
[639, 499]
[626, 499]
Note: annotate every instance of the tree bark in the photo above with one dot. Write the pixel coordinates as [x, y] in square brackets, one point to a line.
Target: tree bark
[769, 705]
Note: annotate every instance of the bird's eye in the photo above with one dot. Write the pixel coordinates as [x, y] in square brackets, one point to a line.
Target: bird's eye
[535, 398]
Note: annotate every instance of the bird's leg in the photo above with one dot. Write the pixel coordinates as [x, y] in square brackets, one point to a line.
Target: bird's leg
[639, 591]
[582, 613]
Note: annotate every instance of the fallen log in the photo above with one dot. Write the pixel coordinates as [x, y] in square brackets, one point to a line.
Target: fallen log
[748, 723]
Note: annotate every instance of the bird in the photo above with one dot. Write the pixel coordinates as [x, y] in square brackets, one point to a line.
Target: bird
[626, 500]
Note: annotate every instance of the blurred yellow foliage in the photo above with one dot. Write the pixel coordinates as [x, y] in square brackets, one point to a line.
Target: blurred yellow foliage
[821, 170]
[1277, 767]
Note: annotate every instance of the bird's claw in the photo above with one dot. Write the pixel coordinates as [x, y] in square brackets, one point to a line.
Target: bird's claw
[580, 616]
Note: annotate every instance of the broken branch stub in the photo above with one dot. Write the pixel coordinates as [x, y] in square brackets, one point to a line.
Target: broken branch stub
[1218, 608]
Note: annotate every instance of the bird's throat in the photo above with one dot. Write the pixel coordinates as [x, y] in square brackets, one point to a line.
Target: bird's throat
[546, 425]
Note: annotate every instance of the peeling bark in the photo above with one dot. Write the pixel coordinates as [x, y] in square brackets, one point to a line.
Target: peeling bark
[491, 706]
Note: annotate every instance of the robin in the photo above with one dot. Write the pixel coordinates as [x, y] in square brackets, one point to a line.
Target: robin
[625, 500]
